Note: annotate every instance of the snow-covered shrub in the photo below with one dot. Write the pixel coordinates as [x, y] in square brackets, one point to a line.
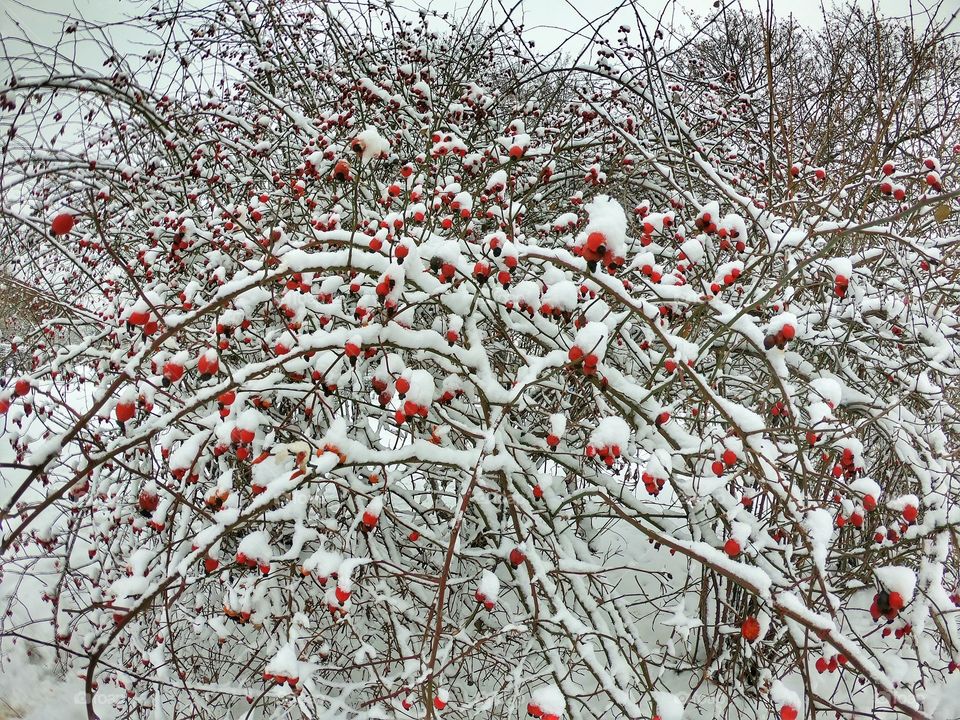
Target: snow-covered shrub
[352, 350]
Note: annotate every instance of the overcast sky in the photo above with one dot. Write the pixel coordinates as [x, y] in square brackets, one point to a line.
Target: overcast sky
[549, 21]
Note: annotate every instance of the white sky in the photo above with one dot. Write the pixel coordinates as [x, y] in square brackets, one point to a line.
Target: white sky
[549, 21]
[552, 19]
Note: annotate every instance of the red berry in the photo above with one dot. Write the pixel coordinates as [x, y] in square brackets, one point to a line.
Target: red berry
[208, 364]
[731, 547]
[750, 629]
[148, 501]
[596, 241]
[172, 371]
[62, 224]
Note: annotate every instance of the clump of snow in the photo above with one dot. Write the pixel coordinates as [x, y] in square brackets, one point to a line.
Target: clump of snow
[607, 217]
[782, 695]
[898, 504]
[592, 339]
[895, 578]
[828, 389]
[497, 181]
[781, 321]
[372, 143]
[422, 389]
[285, 663]
[558, 424]
[611, 431]
[734, 226]
[374, 507]
[550, 700]
[669, 706]
[866, 486]
[842, 267]
[256, 546]
[489, 586]
[692, 250]
[323, 563]
[819, 526]
[31, 689]
[561, 296]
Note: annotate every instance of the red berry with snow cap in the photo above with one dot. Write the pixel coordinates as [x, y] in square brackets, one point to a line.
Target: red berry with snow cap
[125, 410]
[481, 272]
[208, 364]
[148, 501]
[352, 348]
[172, 372]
